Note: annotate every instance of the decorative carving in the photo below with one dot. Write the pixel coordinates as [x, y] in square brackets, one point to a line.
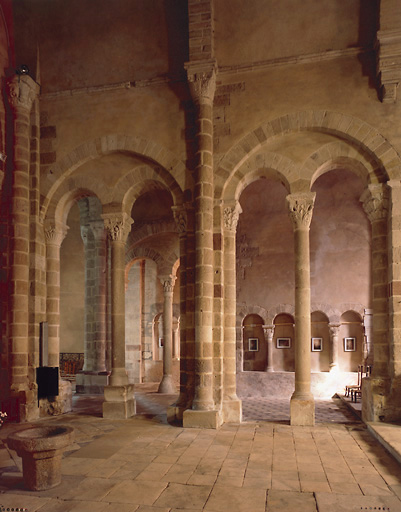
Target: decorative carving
[375, 202]
[22, 91]
[231, 216]
[202, 81]
[118, 226]
[334, 330]
[168, 283]
[268, 331]
[245, 254]
[301, 208]
[181, 219]
[55, 232]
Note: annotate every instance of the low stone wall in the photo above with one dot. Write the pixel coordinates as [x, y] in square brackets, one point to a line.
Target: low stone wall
[281, 384]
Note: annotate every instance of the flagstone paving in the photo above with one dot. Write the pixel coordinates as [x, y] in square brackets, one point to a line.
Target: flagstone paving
[263, 464]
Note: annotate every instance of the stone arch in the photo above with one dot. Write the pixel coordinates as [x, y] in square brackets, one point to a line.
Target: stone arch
[143, 179]
[336, 155]
[288, 309]
[139, 253]
[262, 165]
[368, 141]
[331, 313]
[148, 230]
[356, 308]
[243, 310]
[58, 212]
[173, 168]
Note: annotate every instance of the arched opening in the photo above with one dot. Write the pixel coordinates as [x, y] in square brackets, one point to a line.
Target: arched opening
[320, 342]
[351, 342]
[283, 343]
[254, 345]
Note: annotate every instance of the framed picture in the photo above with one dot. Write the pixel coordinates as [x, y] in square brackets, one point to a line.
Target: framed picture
[349, 344]
[253, 344]
[317, 344]
[283, 343]
[161, 342]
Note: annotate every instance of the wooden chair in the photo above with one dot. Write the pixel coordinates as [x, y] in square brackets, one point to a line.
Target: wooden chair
[355, 391]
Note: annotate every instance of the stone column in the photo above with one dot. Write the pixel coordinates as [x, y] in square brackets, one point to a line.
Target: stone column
[269, 333]
[202, 83]
[375, 201]
[119, 395]
[54, 235]
[368, 329]
[231, 403]
[94, 376]
[302, 402]
[22, 91]
[334, 330]
[167, 384]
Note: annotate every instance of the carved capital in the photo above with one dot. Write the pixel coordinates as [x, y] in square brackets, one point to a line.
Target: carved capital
[231, 216]
[55, 232]
[202, 81]
[118, 226]
[375, 202]
[168, 283]
[21, 91]
[300, 207]
[268, 331]
[334, 330]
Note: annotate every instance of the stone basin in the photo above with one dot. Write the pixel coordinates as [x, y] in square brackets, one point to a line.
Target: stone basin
[41, 449]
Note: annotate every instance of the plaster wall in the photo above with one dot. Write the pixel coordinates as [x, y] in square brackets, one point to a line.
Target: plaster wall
[273, 29]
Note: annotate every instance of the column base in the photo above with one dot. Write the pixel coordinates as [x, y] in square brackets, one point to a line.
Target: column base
[167, 386]
[232, 411]
[201, 419]
[119, 402]
[91, 382]
[302, 411]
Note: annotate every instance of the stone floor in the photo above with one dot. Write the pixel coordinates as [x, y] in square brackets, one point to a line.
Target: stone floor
[263, 464]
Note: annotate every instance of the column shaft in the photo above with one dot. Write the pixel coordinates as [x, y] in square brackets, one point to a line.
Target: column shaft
[269, 333]
[167, 384]
[22, 91]
[302, 403]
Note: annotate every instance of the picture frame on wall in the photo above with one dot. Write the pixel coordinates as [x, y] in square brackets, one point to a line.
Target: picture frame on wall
[317, 344]
[283, 343]
[349, 344]
[253, 344]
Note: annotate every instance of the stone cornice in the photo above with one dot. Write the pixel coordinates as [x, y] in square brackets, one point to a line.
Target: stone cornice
[388, 63]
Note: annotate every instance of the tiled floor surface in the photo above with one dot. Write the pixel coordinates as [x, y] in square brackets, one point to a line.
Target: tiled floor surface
[145, 465]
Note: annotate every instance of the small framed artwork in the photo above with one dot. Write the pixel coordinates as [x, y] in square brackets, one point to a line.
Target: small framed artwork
[349, 344]
[161, 342]
[317, 344]
[283, 343]
[253, 344]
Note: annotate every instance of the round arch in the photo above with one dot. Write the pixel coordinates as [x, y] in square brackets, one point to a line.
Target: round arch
[384, 159]
[166, 164]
